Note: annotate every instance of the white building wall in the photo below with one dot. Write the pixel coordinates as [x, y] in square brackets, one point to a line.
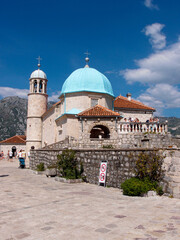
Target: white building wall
[73, 127]
[49, 128]
[61, 128]
[142, 116]
[82, 101]
[6, 147]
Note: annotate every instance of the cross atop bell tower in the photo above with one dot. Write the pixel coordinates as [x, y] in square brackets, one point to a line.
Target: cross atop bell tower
[39, 61]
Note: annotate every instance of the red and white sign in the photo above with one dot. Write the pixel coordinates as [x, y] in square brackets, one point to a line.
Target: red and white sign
[102, 172]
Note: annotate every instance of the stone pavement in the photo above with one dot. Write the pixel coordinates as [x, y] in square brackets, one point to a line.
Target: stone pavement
[36, 207]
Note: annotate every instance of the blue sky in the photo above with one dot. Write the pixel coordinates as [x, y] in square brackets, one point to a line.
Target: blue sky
[135, 43]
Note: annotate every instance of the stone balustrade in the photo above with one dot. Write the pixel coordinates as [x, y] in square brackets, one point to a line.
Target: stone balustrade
[134, 127]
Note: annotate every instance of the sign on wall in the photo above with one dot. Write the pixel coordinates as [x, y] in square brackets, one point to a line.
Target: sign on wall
[102, 172]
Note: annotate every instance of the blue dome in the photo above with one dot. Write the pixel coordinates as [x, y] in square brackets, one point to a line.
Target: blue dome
[87, 80]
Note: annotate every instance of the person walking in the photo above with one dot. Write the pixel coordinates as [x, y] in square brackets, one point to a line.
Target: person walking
[11, 156]
[8, 156]
[22, 156]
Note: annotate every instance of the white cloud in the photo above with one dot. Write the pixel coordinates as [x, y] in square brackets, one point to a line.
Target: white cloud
[157, 39]
[7, 92]
[160, 67]
[54, 97]
[23, 93]
[150, 4]
[161, 96]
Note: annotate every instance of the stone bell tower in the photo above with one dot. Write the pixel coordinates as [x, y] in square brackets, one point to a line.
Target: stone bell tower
[37, 106]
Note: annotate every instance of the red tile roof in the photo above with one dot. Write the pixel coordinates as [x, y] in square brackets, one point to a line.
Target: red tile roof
[98, 111]
[20, 139]
[123, 102]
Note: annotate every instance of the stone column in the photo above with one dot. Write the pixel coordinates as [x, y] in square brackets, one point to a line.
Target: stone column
[43, 86]
[31, 87]
[32, 82]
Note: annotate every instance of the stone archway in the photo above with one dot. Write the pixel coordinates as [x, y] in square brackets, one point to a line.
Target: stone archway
[14, 151]
[100, 131]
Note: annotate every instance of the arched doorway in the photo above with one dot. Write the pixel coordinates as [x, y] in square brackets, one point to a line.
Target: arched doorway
[99, 131]
[14, 151]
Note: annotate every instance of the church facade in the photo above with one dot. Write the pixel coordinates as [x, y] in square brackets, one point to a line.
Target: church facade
[87, 109]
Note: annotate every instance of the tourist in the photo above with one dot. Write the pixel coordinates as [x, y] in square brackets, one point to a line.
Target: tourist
[11, 156]
[1, 155]
[150, 120]
[8, 155]
[22, 156]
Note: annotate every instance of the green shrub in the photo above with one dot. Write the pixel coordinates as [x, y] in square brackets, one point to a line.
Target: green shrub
[40, 167]
[159, 190]
[137, 187]
[67, 165]
[150, 166]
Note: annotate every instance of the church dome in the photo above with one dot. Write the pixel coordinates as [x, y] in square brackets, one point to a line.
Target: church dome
[38, 74]
[87, 80]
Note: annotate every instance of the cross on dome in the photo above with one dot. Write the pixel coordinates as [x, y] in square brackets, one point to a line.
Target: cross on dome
[87, 58]
[39, 61]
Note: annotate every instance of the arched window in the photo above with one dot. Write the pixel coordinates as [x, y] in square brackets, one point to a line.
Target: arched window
[40, 86]
[35, 86]
[100, 131]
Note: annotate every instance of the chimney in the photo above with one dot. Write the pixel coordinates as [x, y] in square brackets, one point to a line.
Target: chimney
[128, 95]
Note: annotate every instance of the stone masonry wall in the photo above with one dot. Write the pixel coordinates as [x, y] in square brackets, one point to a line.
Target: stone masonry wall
[121, 164]
[126, 140]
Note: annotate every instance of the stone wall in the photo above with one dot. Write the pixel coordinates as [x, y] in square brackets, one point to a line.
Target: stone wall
[121, 164]
[126, 140]
[171, 182]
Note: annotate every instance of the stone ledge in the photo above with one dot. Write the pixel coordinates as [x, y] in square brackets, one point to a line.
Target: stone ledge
[64, 180]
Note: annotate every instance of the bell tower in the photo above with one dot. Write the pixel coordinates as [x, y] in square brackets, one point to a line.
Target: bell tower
[37, 106]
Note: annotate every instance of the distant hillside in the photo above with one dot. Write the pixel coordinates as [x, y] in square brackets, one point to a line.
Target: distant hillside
[13, 112]
[173, 124]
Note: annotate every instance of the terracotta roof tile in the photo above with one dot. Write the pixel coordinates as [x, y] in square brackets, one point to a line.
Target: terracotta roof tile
[98, 111]
[20, 139]
[123, 102]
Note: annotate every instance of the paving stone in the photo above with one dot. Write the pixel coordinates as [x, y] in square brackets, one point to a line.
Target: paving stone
[111, 225]
[119, 216]
[102, 230]
[140, 227]
[55, 210]
[46, 228]
[23, 235]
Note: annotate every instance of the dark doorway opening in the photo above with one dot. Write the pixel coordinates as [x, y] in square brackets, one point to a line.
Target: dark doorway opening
[100, 131]
[14, 151]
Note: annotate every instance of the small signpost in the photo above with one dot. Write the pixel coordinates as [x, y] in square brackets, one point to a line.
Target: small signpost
[102, 173]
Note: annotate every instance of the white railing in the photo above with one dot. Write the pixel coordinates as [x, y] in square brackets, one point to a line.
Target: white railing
[155, 127]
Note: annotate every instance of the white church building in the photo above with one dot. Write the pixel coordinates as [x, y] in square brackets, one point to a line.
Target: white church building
[87, 110]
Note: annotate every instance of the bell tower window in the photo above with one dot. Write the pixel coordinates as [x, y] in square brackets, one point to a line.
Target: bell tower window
[40, 86]
[35, 86]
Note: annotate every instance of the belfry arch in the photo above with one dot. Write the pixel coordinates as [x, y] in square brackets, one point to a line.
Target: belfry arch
[100, 131]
